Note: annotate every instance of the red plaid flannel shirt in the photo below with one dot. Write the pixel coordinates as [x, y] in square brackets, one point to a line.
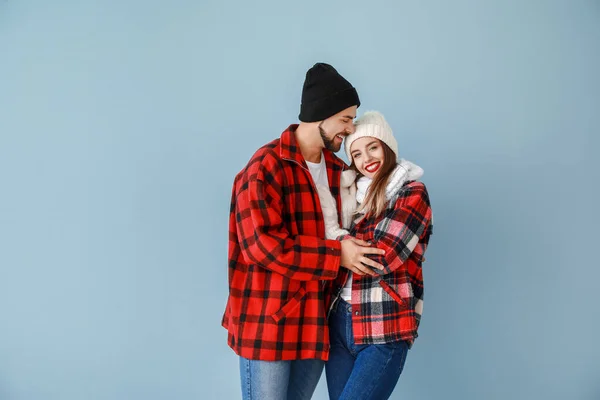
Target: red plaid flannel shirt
[278, 256]
[388, 307]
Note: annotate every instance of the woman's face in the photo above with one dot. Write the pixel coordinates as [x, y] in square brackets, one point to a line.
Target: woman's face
[367, 155]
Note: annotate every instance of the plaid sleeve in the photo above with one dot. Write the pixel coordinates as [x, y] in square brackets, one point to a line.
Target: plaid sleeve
[262, 233]
[399, 231]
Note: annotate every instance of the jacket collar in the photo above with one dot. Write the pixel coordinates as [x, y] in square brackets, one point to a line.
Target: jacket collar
[290, 150]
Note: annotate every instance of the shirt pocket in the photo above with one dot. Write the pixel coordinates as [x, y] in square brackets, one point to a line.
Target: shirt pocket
[290, 306]
[393, 294]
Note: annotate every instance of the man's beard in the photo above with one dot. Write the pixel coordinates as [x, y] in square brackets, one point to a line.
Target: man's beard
[330, 143]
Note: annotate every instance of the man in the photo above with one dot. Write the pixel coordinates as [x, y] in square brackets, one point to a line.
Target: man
[278, 257]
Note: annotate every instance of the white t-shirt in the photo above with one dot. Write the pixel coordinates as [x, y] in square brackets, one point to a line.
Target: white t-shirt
[319, 171]
[347, 289]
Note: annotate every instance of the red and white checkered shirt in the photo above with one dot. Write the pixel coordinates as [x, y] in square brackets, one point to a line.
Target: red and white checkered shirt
[388, 307]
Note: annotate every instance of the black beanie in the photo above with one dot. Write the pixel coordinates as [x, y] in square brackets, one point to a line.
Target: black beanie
[325, 93]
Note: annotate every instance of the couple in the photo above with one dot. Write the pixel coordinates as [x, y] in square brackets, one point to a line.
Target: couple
[302, 290]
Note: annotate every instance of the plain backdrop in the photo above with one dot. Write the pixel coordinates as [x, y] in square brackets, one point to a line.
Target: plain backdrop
[123, 123]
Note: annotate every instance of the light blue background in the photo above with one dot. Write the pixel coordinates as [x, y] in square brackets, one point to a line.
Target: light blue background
[123, 123]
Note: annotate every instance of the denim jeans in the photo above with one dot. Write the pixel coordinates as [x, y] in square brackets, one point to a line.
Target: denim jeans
[360, 372]
[279, 380]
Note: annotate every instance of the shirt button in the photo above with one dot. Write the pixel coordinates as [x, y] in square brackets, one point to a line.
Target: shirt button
[355, 312]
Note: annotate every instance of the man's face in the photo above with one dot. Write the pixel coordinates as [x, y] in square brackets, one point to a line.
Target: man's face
[335, 128]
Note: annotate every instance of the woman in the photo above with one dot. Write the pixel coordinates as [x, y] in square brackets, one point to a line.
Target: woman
[373, 320]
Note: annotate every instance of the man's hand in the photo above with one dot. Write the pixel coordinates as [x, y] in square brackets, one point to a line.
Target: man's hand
[354, 257]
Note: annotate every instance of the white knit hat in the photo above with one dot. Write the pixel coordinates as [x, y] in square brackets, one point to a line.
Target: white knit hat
[372, 124]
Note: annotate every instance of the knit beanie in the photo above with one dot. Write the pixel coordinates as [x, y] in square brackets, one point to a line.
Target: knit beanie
[372, 124]
[325, 93]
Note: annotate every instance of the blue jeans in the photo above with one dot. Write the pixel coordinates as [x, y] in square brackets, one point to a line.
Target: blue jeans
[360, 372]
[279, 380]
